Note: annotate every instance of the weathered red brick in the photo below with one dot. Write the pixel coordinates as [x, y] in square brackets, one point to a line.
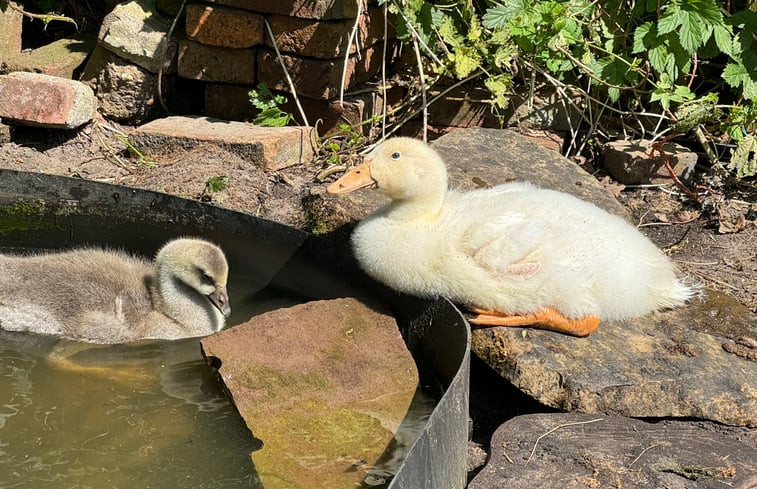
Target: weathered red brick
[225, 27]
[47, 101]
[232, 102]
[325, 39]
[272, 148]
[306, 9]
[314, 78]
[214, 63]
[11, 21]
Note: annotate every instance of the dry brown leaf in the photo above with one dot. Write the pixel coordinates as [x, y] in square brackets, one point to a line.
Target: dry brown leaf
[614, 187]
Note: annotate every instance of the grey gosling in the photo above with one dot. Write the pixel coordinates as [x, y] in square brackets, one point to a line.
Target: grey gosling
[100, 296]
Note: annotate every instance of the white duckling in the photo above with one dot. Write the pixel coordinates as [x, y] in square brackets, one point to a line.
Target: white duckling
[514, 254]
[101, 296]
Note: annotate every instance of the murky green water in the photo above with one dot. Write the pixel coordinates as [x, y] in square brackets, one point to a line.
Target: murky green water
[149, 415]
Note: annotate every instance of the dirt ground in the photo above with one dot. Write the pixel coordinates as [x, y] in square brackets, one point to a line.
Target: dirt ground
[714, 240]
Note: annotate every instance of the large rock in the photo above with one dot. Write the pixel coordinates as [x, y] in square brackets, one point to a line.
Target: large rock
[573, 451]
[324, 386]
[136, 31]
[125, 92]
[664, 364]
[46, 101]
[468, 155]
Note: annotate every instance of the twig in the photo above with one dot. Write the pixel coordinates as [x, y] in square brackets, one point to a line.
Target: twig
[533, 450]
[162, 57]
[45, 18]
[423, 88]
[643, 452]
[352, 38]
[94, 438]
[428, 50]
[383, 71]
[286, 72]
[659, 147]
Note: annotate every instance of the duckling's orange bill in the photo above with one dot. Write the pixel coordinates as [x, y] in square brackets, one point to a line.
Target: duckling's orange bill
[547, 318]
[358, 177]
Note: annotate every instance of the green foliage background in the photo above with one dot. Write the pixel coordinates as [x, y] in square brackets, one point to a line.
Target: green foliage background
[691, 62]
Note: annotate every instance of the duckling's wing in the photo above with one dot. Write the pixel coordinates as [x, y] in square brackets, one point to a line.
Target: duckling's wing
[506, 245]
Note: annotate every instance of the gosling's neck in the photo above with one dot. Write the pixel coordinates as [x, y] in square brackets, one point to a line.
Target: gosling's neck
[425, 203]
[185, 305]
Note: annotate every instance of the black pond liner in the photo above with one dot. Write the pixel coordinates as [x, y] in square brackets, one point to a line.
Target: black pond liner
[46, 211]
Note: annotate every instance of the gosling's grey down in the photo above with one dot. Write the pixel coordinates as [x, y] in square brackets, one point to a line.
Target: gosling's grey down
[108, 296]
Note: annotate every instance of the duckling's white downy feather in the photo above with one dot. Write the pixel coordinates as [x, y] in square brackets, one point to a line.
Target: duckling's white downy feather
[514, 249]
[104, 296]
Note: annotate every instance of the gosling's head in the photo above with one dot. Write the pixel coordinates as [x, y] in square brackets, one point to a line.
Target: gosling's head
[200, 265]
[401, 168]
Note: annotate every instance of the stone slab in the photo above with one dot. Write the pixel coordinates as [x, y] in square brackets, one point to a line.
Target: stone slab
[136, 31]
[666, 364]
[216, 64]
[305, 9]
[42, 100]
[324, 386]
[225, 27]
[315, 78]
[5, 133]
[58, 58]
[272, 148]
[574, 451]
[326, 39]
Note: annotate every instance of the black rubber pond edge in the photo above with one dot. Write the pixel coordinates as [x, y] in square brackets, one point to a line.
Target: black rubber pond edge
[41, 211]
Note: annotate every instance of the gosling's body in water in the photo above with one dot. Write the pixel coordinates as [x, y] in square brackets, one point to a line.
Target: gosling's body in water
[104, 296]
[514, 254]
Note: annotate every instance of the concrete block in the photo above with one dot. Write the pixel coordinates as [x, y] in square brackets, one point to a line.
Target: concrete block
[222, 26]
[46, 101]
[216, 64]
[272, 148]
[136, 31]
[58, 58]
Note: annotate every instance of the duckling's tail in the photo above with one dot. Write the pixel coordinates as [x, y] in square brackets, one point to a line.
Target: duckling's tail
[685, 288]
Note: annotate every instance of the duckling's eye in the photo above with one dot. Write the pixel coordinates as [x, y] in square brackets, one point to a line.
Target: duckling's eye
[395, 156]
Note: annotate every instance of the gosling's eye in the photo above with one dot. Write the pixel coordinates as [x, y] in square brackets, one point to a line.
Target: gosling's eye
[206, 278]
[395, 156]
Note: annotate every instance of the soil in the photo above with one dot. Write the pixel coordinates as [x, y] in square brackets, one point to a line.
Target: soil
[714, 240]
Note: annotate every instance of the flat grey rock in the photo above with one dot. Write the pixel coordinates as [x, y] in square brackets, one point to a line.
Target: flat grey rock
[568, 451]
[670, 364]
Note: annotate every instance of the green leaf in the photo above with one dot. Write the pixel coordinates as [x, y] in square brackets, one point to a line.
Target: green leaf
[744, 157]
[669, 22]
[735, 74]
[642, 35]
[691, 33]
[496, 17]
[724, 38]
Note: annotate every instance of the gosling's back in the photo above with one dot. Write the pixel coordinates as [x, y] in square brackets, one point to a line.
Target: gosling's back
[87, 294]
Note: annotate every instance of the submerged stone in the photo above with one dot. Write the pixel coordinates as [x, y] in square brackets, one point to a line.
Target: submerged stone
[324, 385]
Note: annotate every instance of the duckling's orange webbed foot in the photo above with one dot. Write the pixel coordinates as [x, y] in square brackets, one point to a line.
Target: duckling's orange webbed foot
[548, 318]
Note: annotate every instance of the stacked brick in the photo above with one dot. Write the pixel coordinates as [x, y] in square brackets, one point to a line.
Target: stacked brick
[228, 46]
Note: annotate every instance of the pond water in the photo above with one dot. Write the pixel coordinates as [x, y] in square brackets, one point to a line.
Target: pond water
[150, 414]
[147, 415]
